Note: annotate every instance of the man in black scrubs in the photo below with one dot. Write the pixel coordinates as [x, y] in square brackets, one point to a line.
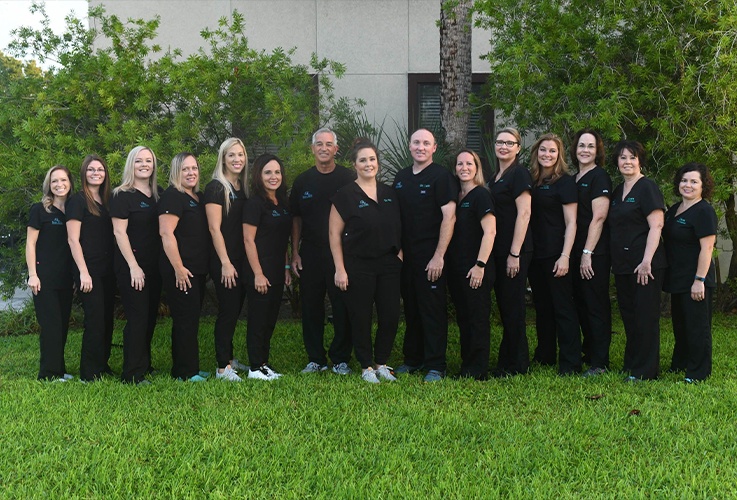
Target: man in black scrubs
[427, 195]
[312, 261]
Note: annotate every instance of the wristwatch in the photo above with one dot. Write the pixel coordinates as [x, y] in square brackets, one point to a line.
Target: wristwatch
[587, 251]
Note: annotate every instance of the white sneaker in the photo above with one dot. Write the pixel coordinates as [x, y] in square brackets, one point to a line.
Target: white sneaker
[238, 366]
[386, 373]
[228, 374]
[261, 373]
[68, 376]
[369, 375]
[272, 372]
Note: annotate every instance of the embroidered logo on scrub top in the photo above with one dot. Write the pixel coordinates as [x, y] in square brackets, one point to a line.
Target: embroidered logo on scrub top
[192, 203]
[681, 220]
[144, 205]
[388, 200]
[631, 199]
[544, 187]
[584, 184]
[399, 185]
[423, 188]
[362, 204]
[466, 204]
[275, 213]
[306, 195]
[57, 222]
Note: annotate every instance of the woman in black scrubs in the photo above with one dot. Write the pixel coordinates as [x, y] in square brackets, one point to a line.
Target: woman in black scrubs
[689, 234]
[185, 239]
[470, 270]
[554, 199]
[365, 239]
[135, 216]
[224, 199]
[90, 232]
[636, 220]
[590, 262]
[267, 224]
[49, 262]
[512, 252]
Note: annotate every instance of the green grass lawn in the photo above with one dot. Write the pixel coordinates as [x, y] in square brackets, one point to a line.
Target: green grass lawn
[535, 436]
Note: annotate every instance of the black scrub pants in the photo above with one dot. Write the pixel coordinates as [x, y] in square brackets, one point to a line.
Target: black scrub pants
[316, 278]
[426, 317]
[594, 308]
[514, 354]
[98, 305]
[473, 310]
[639, 306]
[185, 310]
[556, 321]
[53, 308]
[263, 311]
[141, 312]
[230, 303]
[692, 331]
[373, 281]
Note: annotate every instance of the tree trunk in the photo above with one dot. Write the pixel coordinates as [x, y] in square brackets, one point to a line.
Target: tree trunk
[455, 70]
[727, 299]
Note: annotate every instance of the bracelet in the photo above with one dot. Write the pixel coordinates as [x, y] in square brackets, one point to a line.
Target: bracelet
[587, 251]
[700, 278]
[513, 255]
[287, 266]
[481, 264]
[565, 255]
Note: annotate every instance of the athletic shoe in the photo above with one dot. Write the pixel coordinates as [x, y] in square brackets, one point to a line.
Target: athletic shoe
[632, 379]
[404, 368]
[203, 374]
[143, 382]
[369, 375]
[342, 369]
[386, 373]
[434, 376]
[313, 367]
[261, 373]
[272, 372]
[593, 372]
[238, 366]
[68, 376]
[228, 374]
[60, 379]
[197, 378]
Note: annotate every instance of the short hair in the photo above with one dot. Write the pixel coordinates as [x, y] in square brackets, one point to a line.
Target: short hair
[707, 183]
[559, 169]
[175, 174]
[600, 157]
[219, 173]
[324, 130]
[633, 147]
[362, 143]
[478, 179]
[426, 130]
[104, 188]
[129, 173]
[257, 183]
[47, 199]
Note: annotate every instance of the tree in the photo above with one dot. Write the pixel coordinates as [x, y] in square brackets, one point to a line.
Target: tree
[661, 72]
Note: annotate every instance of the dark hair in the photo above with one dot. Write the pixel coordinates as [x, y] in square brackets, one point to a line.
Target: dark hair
[104, 189]
[632, 146]
[707, 183]
[600, 154]
[257, 183]
[362, 143]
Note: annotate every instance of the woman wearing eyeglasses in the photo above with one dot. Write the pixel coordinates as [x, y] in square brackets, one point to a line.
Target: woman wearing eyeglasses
[510, 190]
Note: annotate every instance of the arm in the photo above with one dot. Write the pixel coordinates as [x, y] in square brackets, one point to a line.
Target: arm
[434, 268]
[600, 209]
[702, 267]
[569, 215]
[335, 229]
[167, 225]
[655, 220]
[228, 273]
[524, 210]
[34, 283]
[260, 282]
[120, 229]
[476, 273]
[296, 237]
[74, 229]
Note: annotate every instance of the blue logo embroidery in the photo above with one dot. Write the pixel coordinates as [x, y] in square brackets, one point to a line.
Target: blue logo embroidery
[465, 204]
[192, 203]
[306, 195]
[388, 200]
[57, 222]
[544, 187]
[681, 220]
[145, 205]
[275, 213]
[399, 185]
[631, 199]
[584, 184]
[362, 204]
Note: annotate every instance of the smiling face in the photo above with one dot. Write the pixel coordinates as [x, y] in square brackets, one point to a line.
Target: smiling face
[547, 154]
[190, 175]
[366, 164]
[465, 167]
[59, 183]
[422, 146]
[271, 176]
[235, 162]
[628, 163]
[506, 147]
[691, 187]
[586, 151]
[95, 174]
[324, 149]
[143, 165]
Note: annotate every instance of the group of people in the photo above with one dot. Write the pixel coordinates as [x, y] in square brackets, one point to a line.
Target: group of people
[369, 245]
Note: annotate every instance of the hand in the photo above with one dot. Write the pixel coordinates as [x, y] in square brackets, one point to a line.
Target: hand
[644, 273]
[228, 275]
[182, 276]
[287, 277]
[296, 264]
[698, 291]
[138, 278]
[512, 266]
[434, 268]
[261, 284]
[85, 282]
[560, 268]
[341, 279]
[587, 271]
[475, 276]
[34, 284]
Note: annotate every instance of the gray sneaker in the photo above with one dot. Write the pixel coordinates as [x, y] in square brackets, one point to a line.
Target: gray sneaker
[369, 375]
[434, 376]
[405, 368]
[228, 374]
[313, 367]
[238, 366]
[342, 369]
[386, 373]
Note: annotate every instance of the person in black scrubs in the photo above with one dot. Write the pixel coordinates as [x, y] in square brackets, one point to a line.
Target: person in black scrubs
[427, 194]
[689, 235]
[224, 199]
[186, 242]
[470, 270]
[90, 233]
[49, 262]
[135, 216]
[512, 253]
[365, 240]
[553, 225]
[636, 219]
[590, 262]
[312, 263]
[267, 224]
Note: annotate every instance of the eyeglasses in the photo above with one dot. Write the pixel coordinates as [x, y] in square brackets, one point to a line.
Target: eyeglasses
[509, 144]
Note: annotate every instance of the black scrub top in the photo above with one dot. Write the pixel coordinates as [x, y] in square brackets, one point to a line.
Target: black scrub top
[547, 222]
[273, 227]
[515, 181]
[192, 233]
[421, 197]
[681, 235]
[96, 235]
[54, 263]
[142, 214]
[231, 225]
[310, 199]
[463, 251]
[372, 229]
[592, 185]
[629, 228]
